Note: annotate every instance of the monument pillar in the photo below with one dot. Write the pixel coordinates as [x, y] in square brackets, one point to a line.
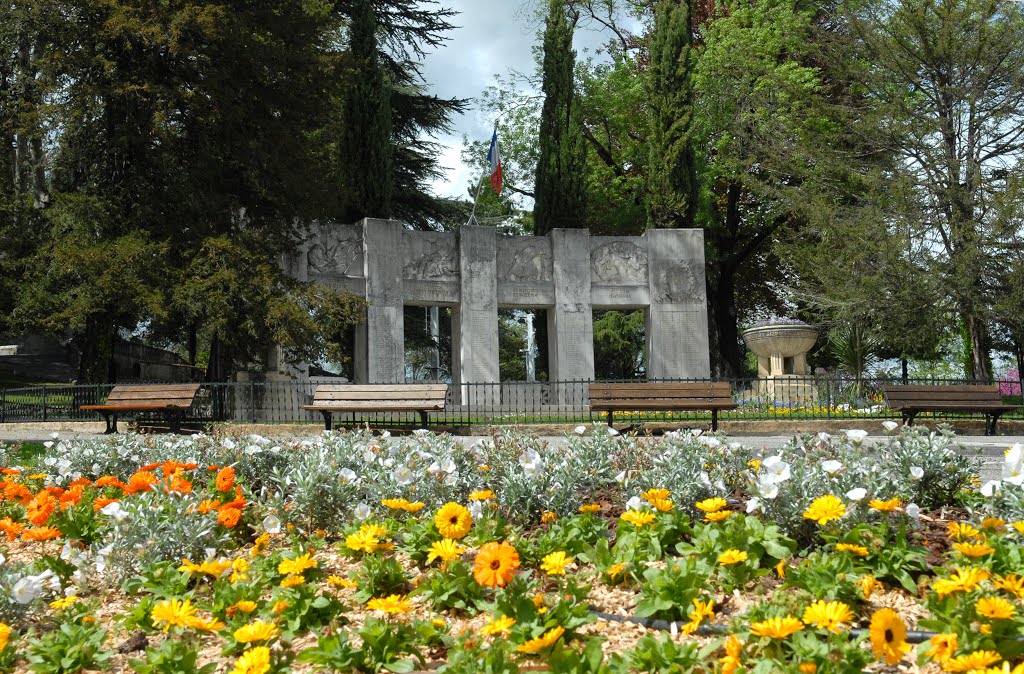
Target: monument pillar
[571, 321]
[677, 321]
[475, 320]
[385, 334]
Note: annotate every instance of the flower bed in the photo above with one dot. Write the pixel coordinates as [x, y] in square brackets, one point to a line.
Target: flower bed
[354, 552]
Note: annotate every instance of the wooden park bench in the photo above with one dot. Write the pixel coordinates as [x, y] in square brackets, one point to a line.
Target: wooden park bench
[983, 399]
[172, 399]
[658, 396]
[422, 398]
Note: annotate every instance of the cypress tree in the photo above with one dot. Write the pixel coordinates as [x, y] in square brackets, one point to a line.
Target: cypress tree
[559, 190]
[672, 201]
[366, 161]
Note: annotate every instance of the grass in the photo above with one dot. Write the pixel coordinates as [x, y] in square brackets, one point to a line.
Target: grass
[27, 454]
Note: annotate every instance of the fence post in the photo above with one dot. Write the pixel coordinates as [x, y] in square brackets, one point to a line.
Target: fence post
[3, 405]
[44, 403]
[828, 397]
[252, 399]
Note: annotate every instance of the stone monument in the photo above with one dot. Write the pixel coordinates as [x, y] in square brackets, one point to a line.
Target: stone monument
[781, 348]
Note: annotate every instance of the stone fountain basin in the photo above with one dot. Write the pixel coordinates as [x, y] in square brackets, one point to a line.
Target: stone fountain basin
[785, 340]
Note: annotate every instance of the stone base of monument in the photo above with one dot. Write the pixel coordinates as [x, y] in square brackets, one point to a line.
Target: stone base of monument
[787, 390]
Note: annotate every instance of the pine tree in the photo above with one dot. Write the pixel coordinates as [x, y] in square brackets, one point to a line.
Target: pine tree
[559, 189]
[672, 181]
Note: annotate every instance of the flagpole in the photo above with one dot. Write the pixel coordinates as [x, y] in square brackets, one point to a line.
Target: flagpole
[480, 185]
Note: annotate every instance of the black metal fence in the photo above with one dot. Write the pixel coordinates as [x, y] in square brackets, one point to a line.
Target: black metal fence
[816, 397]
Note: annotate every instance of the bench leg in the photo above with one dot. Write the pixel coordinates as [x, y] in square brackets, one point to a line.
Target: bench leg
[611, 416]
[111, 421]
[423, 418]
[175, 422]
[908, 418]
[990, 423]
[714, 421]
[328, 418]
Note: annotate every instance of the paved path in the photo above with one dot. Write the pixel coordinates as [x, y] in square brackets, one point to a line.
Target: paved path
[991, 455]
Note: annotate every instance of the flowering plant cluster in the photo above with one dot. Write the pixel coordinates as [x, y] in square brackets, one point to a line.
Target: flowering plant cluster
[209, 554]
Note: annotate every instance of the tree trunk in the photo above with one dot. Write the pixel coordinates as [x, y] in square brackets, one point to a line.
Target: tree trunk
[95, 351]
[978, 335]
[193, 343]
[722, 312]
[903, 370]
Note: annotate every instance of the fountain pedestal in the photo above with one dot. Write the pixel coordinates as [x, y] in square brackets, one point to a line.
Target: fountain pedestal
[781, 351]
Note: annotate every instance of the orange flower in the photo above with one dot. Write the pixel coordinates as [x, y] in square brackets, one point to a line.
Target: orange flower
[226, 479]
[81, 482]
[55, 491]
[18, 493]
[71, 497]
[206, 506]
[229, 517]
[140, 482]
[40, 534]
[10, 471]
[495, 564]
[40, 508]
[110, 481]
[238, 502]
[11, 528]
[180, 485]
[101, 503]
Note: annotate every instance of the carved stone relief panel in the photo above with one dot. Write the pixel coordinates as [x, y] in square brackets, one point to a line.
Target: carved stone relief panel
[524, 259]
[337, 251]
[430, 256]
[618, 263]
[682, 282]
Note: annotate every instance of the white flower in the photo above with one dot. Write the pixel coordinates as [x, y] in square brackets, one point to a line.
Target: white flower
[403, 475]
[114, 511]
[531, 462]
[635, 503]
[767, 489]
[916, 472]
[54, 435]
[3, 560]
[890, 425]
[445, 466]
[27, 589]
[856, 436]
[271, 524]
[580, 430]
[228, 443]
[50, 460]
[774, 470]
[347, 476]
[991, 488]
[1013, 465]
[621, 477]
[421, 432]
[831, 466]
[253, 449]
[362, 511]
[753, 505]
[612, 431]
[476, 509]
[857, 494]
[710, 442]
[824, 437]
[48, 444]
[913, 510]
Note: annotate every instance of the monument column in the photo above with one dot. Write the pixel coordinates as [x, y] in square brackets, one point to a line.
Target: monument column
[475, 321]
[677, 322]
[571, 322]
[385, 334]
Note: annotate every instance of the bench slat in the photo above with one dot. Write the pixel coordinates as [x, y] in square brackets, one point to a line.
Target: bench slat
[377, 395]
[629, 405]
[353, 406]
[377, 388]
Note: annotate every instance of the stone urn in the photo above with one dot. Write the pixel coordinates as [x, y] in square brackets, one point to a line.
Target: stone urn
[781, 349]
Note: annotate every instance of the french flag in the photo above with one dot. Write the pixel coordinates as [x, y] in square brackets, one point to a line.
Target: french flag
[494, 158]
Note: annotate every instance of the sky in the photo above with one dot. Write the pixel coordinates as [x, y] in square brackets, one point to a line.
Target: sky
[492, 38]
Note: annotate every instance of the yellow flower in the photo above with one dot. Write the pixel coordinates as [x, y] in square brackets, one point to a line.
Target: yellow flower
[869, 585]
[481, 495]
[243, 606]
[888, 636]
[732, 556]
[829, 615]
[500, 627]
[174, 612]
[338, 581]
[974, 550]
[395, 503]
[962, 530]
[205, 624]
[616, 569]
[733, 650]
[1005, 669]
[453, 521]
[5, 635]
[884, 506]
[297, 565]
[995, 608]
[776, 628]
[414, 507]
[962, 580]
[542, 642]
[549, 517]
[253, 661]
[943, 646]
[590, 508]
[711, 505]
[638, 518]
[211, 567]
[701, 610]
[395, 604]
[64, 603]
[970, 662]
[363, 540]
[1011, 583]
[1019, 526]
[656, 494]
[993, 524]
[279, 606]
[445, 549]
[717, 516]
[292, 581]
[858, 550]
[255, 631]
[555, 563]
[662, 505]
[824, 509]
[780, 568]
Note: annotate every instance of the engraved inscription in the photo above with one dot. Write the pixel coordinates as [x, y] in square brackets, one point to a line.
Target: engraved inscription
[618, 262]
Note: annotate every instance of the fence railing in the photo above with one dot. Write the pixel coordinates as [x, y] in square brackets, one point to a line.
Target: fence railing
[817, 397]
